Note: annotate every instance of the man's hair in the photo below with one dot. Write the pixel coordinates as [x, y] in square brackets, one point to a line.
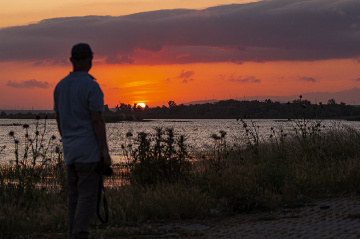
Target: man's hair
[81, 51]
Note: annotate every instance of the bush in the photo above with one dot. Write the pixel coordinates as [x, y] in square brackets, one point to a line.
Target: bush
[163, 158]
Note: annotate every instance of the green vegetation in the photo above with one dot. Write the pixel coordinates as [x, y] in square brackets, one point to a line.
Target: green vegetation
[163, 181]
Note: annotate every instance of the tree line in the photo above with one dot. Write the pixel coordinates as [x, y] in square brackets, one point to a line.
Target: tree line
[234, 109]
[225, 109]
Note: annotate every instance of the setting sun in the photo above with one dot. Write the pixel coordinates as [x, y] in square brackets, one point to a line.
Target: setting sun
[142, 105]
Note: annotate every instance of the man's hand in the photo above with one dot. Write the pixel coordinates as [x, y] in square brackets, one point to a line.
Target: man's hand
[107, 158]
[100, 132]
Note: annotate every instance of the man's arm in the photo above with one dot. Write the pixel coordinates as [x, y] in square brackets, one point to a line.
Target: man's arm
[100, 133]
[58, 122]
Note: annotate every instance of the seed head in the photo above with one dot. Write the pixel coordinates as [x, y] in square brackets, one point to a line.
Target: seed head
[223, 133]
[11, 133]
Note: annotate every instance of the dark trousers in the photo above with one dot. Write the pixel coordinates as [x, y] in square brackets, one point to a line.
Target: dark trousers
[83, 183]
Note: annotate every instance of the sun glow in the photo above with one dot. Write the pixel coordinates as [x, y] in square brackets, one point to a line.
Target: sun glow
[142, 105]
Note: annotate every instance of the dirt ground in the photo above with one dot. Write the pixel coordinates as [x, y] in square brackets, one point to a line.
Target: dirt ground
[329, 218]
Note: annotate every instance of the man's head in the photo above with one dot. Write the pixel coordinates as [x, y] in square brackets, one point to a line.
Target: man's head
[81, 57]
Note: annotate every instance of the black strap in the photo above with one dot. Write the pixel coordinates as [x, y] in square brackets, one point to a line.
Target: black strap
[101, 192]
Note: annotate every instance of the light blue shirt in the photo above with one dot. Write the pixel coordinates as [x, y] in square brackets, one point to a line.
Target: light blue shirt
[74, 97]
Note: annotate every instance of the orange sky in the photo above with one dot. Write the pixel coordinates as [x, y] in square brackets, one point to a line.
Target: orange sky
[182, 68]
[155, 85]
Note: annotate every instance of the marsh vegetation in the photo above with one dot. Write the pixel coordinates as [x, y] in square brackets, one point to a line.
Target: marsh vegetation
[163, 180]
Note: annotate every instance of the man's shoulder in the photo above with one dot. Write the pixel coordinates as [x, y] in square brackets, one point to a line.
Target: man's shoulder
[82, 77]
[64, 79]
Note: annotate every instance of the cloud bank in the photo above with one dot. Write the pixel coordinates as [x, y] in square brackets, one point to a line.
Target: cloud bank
[308, 79]
[29, 84]
[249, 79]
[263, 31]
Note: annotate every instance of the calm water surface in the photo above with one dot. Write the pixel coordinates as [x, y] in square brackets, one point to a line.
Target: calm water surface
[197, 131]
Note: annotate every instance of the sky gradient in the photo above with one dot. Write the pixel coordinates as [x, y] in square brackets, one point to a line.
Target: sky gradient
[206, 51]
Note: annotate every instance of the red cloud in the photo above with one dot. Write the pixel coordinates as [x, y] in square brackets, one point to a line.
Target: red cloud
[29, 84]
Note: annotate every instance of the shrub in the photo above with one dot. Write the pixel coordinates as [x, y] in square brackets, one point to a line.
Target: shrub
[158, 158]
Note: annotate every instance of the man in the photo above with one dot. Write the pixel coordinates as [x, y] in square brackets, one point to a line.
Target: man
[79, 106]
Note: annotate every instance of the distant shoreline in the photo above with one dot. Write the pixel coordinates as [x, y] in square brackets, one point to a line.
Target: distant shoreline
[27, 111]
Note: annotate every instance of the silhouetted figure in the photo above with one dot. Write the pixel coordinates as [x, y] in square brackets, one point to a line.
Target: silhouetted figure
[79, 106]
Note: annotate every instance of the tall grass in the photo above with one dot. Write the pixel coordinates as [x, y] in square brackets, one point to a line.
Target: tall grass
[32, 184]
[163, 181]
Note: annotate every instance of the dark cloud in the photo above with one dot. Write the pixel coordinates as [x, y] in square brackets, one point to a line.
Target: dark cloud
[61, 62]
[358, 79]
[185, 81]
[120, 60]
[249, 79]
[308, 79]
[184, 76]
[29, 84]
[261, 31]
[235, 60]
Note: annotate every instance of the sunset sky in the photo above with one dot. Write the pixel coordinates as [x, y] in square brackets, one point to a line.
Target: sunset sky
[153, 51]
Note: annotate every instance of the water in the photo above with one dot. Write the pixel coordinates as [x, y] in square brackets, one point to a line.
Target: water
[196, 131]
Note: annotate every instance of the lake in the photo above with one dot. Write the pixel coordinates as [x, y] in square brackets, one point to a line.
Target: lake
[197, 131]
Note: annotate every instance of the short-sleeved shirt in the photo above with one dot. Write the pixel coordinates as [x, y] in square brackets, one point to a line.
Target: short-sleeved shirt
[75, 97]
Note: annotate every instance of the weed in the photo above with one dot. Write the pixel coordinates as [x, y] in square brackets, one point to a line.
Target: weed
[158, 158]
[35, 166]
[251, 133]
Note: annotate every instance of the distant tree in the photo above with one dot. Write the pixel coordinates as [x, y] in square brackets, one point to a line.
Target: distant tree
[331, 102]
[123, 108]
[106, 108]
[171, 104]
[3, 114]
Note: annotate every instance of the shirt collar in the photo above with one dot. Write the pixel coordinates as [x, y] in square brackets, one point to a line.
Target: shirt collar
[81, 73]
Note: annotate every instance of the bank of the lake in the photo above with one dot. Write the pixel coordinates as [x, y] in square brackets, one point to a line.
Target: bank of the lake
[291, 168]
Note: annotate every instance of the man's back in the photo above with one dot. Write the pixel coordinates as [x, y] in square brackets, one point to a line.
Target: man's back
[75, 97]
